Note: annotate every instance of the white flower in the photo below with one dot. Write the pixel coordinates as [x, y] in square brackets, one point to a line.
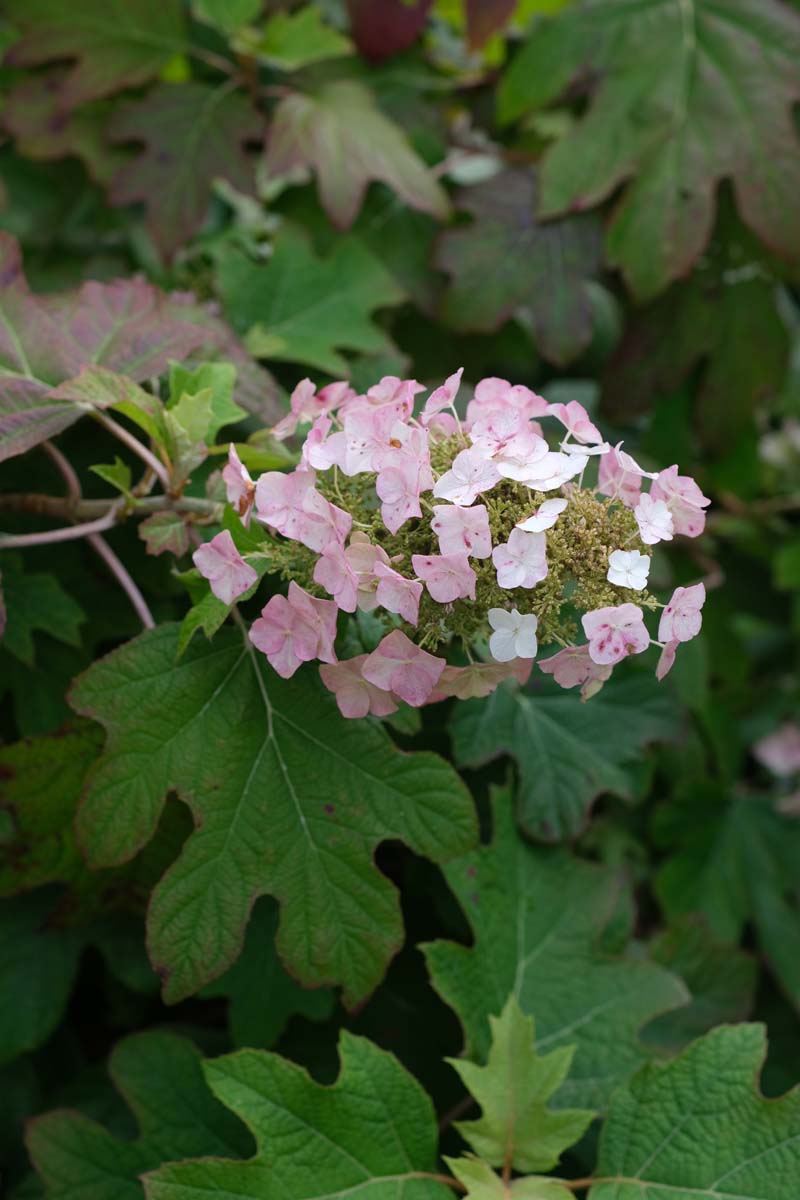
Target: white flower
[545, 516]
[628, 568]
[521, 561]
[470, 474]
[654, 520]
[514, 634]
[546, 473]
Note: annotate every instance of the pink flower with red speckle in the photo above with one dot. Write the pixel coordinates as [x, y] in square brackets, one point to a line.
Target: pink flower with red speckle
[614, 633]
[401, 667]
[223, 566]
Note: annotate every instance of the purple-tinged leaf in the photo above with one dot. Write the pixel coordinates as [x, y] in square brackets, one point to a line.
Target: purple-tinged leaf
[381, 28]
[165, 531]
[193, 133]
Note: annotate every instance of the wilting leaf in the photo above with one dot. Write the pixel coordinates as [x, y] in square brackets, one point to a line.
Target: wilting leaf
[684, 98]
[299, 308]
[193, 133]
[536, 916]
[161, 1077]
[165, 532]
[341, 134]
[289, 800]
[568, 752]
[698, 1127]
[116, 43]
[336, 1126]
[507, 260]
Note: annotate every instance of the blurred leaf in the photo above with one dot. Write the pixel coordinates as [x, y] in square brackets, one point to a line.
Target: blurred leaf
[36, 601]
[682, 99]
[297, 39]
[299, 308]
[227, 15]
[262, 996]
[286, 796]
[568, 752]
[193, 133]
[335, 1125]
[517, 1129]
[38, 963]
[340, 133]
[379, 31]
[536, 916]
[786, 566]
[739, 1145]
[160, 1076]
[735, 865]
[721, 978]
[116, 43]
[485, 17]
[506, 260]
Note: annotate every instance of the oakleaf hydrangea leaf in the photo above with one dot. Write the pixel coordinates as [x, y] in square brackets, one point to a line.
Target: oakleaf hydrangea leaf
[36, 601]
[506, 260]
[687, 96]
[482, 1183]
[160, 1076]
[115, 43]
[536, 915]
[517, 1130]
[298, 308]
[341, 134]
[697, 1127]
[288, 799]
[193, 133]
[568, 752]
[373, 1131]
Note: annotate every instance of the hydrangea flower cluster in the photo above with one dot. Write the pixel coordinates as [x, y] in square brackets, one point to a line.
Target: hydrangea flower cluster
[474, 538]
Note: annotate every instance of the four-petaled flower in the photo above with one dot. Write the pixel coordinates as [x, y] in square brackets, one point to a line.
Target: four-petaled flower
[223, 566]
[470, 474]
[295, 629]
[614, 633]
[355, 695]
[628, 568]
[654, 520]
[514, 634]
[462, 530]
[682, 618]
[448, 577]
[521, 561]
[575, 419]
[684, 500]
[398, 666]
[573, 666]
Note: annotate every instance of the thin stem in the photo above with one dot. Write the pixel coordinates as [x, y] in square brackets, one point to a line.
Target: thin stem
[466, 1102]
[135, 445]
[68, 534]
[120, 573]
[66, 470]
[55, 506]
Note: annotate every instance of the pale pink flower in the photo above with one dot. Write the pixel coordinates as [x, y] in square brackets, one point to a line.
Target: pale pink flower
[621, 476]
[544, 517]
[315, 454]
[407, 447]
[575, 419]
[222, 565]
[355, 695]
[440, 425]
[448, 577]
[398, 666]
[654, 520]
[291, 504]
[628, 569]
[684, 500]
[493, 393]
[299, 401]
[500, 430]
[398, 489]
[514, 634]
[462, 530]
[284, 634]
[395, 394]
[480, 679]
[780, 751]
[666, 660]
[573, 667]
[442, 397]
[397, 594]
[521, 561]
[682, 618]
[334, 572]
[470, 474]
[364, 439]
[320, 615]
[239, 487]
[363, 557]
[614, 633]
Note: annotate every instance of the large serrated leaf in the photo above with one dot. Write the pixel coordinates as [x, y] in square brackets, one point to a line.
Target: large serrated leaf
[537, 915]
[288, 799]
